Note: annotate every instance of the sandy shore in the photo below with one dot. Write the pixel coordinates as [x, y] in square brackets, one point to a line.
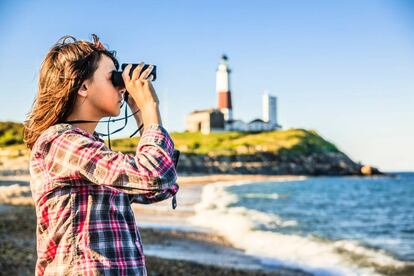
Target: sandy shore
[182, 240]
[171, 244]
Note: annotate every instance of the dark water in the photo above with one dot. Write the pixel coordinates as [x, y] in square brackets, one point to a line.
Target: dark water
[377, 212]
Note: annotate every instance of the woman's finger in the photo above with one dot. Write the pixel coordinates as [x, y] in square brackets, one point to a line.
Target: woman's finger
[125, 73]
[137, 71]
[146, 73]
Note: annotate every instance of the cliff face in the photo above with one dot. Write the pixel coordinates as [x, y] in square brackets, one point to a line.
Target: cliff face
[268, 163]
[294, 151]
[291, 151]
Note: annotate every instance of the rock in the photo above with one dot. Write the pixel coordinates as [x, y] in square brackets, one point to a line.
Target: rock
[369, 170]
[366, 170]
[314, 163]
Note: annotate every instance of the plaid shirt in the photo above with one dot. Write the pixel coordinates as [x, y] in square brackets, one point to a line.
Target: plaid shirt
[83, 193]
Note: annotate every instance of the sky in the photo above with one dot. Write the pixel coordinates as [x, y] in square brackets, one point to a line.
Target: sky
[342, 68]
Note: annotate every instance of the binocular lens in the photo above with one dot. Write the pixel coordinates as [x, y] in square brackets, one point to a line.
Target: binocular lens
[117, 79]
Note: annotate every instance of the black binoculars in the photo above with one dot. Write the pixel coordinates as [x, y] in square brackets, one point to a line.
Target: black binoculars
[117, 79]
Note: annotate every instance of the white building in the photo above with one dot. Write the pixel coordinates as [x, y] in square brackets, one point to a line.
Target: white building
[221, 118]
[269, 110]
[236, 125]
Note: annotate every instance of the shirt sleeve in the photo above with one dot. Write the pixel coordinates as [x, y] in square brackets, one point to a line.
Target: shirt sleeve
[152, 197]
[150, 172]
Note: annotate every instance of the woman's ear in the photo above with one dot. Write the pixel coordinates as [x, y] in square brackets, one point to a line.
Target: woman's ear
[83, 91]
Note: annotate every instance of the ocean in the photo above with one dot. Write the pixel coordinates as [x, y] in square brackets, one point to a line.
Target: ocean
[324, 225]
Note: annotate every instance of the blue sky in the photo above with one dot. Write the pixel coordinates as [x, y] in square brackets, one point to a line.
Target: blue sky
[343, 68]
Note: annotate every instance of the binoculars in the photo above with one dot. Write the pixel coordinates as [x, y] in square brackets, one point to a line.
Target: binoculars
[117, 79]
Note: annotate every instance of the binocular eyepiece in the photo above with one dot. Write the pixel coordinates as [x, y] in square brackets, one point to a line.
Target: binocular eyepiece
[117, 79]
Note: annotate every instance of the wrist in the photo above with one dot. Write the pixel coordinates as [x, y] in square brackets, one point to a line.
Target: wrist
[150, 107]
[151, 116]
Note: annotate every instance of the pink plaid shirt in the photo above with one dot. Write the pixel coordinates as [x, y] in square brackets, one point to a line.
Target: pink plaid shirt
[83, 193]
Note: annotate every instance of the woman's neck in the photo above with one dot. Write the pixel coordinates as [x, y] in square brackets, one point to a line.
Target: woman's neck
[88, 127]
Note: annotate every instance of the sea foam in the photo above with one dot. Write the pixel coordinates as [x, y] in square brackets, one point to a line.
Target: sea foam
[313, 254]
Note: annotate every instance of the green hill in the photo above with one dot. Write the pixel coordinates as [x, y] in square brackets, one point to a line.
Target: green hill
[11, 134]
[287, 142]
[291, 151]
[290, 142]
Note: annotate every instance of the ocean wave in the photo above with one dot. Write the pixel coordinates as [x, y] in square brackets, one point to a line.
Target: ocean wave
[264, 196]
[242, 227]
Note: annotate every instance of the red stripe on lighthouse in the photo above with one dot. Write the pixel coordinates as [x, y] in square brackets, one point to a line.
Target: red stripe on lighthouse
[224, 100]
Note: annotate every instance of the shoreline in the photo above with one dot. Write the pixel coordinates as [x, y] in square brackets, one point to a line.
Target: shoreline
[161, 214]
[171, 243]
[168, 240]
[180, 239]
[162, 217]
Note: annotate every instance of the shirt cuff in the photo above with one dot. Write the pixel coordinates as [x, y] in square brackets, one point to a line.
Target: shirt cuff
[155, 134]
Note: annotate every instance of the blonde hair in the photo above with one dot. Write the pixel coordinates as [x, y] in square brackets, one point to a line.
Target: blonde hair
[66, 66]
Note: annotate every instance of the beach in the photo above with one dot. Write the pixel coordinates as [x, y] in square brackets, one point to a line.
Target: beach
[172, 245]
[175, 237]
[208, 235]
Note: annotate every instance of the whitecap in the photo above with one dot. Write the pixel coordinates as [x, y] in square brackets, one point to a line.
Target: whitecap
[319, 256]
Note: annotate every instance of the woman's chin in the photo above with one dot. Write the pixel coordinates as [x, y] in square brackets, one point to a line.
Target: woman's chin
[113, 114]
[116, 112]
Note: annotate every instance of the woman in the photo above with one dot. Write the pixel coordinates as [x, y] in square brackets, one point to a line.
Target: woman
[83, 190]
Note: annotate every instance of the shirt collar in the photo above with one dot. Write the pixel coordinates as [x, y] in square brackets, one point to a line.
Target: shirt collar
[95, 134]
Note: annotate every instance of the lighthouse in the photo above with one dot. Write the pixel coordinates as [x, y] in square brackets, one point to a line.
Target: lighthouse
[223, 88]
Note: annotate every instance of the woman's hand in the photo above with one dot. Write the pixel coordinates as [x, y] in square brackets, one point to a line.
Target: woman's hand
[140, 87]
[142, 94]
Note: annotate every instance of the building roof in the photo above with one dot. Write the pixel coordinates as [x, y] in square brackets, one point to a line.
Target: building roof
[234, 120]
[257, 121]
[208, 110]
